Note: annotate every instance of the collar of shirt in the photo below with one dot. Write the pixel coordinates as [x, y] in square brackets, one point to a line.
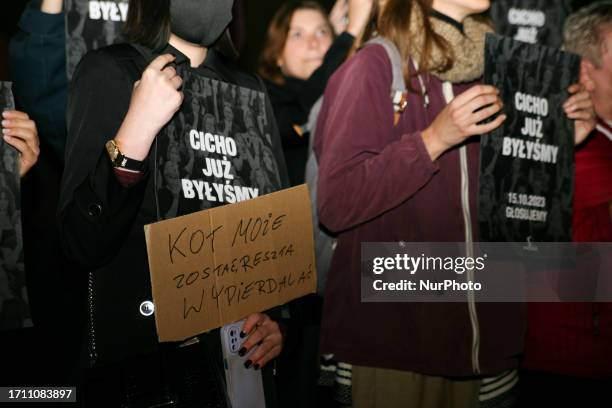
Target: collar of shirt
[213, 60]
[605, 127]
[183, 61]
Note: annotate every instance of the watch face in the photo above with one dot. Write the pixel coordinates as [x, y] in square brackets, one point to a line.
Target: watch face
[112, 149]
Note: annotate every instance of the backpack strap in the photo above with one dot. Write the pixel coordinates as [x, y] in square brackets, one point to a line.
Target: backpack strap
[399, 93]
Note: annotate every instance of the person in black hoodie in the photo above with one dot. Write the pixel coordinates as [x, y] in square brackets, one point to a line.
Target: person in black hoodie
[303, 49]
[120, 101]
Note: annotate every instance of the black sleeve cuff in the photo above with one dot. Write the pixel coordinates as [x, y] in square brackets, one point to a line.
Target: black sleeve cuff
[101, 198]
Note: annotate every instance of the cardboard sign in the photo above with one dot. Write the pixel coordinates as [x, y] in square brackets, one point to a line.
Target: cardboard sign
[526, 165]
[531, 21]
[217, 266]
[92, 24]
[14, 306]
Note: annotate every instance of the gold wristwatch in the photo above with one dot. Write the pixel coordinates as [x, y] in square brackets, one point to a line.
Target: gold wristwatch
[119, 160]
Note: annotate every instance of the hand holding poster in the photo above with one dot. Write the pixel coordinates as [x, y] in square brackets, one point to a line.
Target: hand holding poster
[526, 165]
[217, 266]
[14, 308]
[220, 148]
[531, 21]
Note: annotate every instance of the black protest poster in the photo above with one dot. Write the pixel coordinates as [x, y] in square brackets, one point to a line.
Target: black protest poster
[526, 165]
[91, 25]
[532, 21]
[218, 149]
[14, 307]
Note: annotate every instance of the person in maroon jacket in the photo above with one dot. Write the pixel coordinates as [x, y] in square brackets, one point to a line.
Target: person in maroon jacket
[414, 182]
[568, 347]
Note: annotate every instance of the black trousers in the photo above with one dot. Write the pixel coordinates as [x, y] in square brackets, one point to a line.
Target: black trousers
[542, 389]
[175, 377]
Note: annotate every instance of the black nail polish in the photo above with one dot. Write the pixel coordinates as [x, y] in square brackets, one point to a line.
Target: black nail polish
[242, 351]
[242, 335]
[248, 364]
[256, 367]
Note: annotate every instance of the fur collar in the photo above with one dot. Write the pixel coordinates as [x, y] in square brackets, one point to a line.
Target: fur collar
[467, 47]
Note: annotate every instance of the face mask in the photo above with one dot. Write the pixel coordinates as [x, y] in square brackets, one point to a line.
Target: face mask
[200, 21]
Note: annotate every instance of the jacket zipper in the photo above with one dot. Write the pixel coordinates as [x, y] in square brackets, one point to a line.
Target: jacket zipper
[469, 249]
[447, 90]
[93, 354]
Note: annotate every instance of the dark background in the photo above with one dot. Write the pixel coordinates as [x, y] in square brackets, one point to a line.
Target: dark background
[257, 16]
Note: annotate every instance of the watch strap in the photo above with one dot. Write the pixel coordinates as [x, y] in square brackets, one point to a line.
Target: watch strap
[119, 160]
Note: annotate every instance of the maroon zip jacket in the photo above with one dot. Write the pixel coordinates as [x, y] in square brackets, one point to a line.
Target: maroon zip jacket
[378, 184]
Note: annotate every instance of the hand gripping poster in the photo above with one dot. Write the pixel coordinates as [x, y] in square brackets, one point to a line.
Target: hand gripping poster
[526, 165]
[531, 21]
[91, 25]
[218, 149]
[14, 307]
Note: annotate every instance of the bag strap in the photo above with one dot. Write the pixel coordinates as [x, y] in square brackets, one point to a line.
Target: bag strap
[399, 94]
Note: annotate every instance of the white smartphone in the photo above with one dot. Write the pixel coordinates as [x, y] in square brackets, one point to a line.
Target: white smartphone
[244, 385]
